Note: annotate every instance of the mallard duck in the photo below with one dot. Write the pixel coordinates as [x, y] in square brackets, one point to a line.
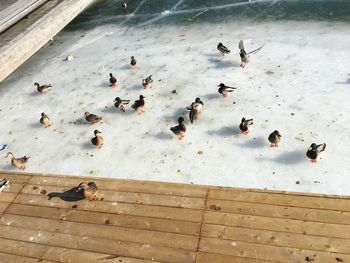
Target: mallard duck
[225, 89]
[92, 118]
[314, 150]
[90, 191]
[274, 138]
[180, 129]
[42, 88]
[112, 81]
[222, 49]
[139, 105]
[195, 109]
[147, 82]
[120, 104]
[133, 62]
[45, 120]
[245, 124]
[20, 163]
[98, 139]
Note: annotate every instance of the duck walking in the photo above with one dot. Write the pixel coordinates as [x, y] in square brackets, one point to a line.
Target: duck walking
[42, 88]
[112, 81]
[180, 129]
[314, 150]
[222, 49]
[147, 82]
[244, 126]
[133, 62]
[92, 118]
[98, 139]
[223, 90]
[274, 138]
[195, 109]
[20, 163]
[139, 105]
[120, 104]
[89, 190]
[45, 120]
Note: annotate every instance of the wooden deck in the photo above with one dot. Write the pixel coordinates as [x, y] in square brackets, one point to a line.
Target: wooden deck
[141, 221]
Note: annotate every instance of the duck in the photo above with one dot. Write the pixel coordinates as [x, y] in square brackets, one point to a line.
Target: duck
[112, 81]
[89, 190]
[244, 126]
[139, 105]
[133, 62]
[3, 184]
[195, 109]
[98, 139]
[243, 54]
[274, 138]
[222, 49]
[20, 163]
[120, 104]
[45, 120]
[42, 88]
[92, 118]
[125, 6]
[314, 150]
[180, 129]
[225, 89]
[147, 82]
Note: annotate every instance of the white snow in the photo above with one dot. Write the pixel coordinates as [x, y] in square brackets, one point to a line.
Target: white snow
[303, 70]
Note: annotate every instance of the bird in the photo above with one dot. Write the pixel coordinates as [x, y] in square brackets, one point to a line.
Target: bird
[98, 139]
[89, 190]
[274, 138]
[92, 118]
[314, 150]
[45, 120]
[139, 105]
[244, 126]
[20, 163]
[42, 88]
[195, 109]
[222, 49]
[120, 104]
[147, 82]
[225, 89]
[243, 54]
[124, 6]
[133, 62]
[112, 81]
[180, 129]
[3, 184]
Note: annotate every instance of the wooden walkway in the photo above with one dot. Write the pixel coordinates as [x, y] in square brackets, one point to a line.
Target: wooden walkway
[141, 221]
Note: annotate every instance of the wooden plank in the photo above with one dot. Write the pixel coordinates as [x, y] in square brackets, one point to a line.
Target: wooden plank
[336, 245]
[274, 253]
[17, 259]
[3, 207]
[114, 207]
[127, 197]
[280, 199]
[15, 178]
[103, 231]
[13, 188]
[59, 254]
[148, 223]
[7, 197]
[316, 215]
[125, 185]
[127, 249]
[204, 257]
[278, 224]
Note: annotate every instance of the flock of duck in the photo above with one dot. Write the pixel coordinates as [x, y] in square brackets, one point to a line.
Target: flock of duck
[195, 110]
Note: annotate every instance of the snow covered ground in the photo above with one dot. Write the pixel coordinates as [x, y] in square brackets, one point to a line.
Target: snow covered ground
[298, 84]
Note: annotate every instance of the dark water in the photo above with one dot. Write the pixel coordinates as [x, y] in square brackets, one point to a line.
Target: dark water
[149, 12]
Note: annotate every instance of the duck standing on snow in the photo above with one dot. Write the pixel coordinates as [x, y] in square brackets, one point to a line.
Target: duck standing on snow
[45, 120]
[92, 118]
[20, 163]
[42, 88]
[112, 81]
[244, 126]
[133, 62]
[89, 190]
[314, 150]
[120, 104]
[147, 82]
[243, 54]
[98, 139]
[225, 89]
[196, 109]
[180, 129]
[274, 138]
[139, 105]
[222, 49]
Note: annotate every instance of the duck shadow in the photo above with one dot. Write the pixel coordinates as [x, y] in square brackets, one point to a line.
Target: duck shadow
[35, 94]
[256, 143]
[223, 131]
[217, 54]
[344, 82]
[81, 122]
[136, 87]
[9, 167]
[71, 195]
[87, 145]
[162, 136]
[288, 158]
[178, 113]
[218, 63]
[35, 125]
[125, 66]
[211, 96]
